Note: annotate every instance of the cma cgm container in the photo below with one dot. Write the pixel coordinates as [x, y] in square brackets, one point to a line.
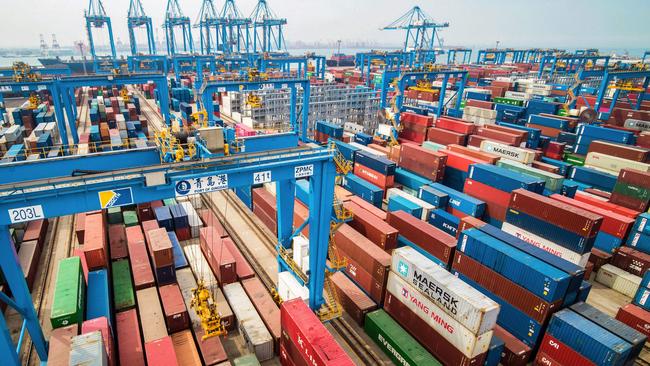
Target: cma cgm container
[69, 294]
[257, 337]
[471, 308]
[400, 346]
[310, 336]
[553, 352]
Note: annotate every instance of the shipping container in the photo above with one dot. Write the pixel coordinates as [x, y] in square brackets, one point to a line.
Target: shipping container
[243, 269]
[179, 257]
[221, 260]
[372, 227]
[129, 342]
[102, 325]
[630, 260]
[151, 315]
[471, 308]
[139, 259]
[60, 344]
[400, 347]
[161, 352]
[117, 241]
[185, 349]
[426, 236]
[258, 338]
[355, 302]
[381, 214]
[68, 302]
[247, 360]
[176, 315]
[123, 296]
[300, 323]
[369, 256]
[635, 317]
[515, 352]
[160, 247]
[559, 353]
[29, 254]
[619, 280]
[95, 244]
[88, 350]
[265, 306]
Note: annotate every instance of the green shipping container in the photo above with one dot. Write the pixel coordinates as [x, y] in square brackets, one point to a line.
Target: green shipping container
[395, 341]
[69, 294]
[169, 201]
[114, 215]
[123, 295]
[248, 360]
[574, 159]
[630, 190]
[130, 218]
[509, 101]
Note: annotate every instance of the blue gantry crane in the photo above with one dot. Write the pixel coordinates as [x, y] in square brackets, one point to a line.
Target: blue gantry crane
[234, 29]
[96, 18]
[267, 29]
[174, 18]
[422, 32]
[138, 19]
[208, 28]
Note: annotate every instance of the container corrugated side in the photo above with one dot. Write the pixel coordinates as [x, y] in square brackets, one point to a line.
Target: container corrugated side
[69, 294]
[547, 245]
[249, 321]
[88, 350]
[459, 336]
[619, 280]
[613, 163]
[426, 206]
[508, 152]
[471, 308]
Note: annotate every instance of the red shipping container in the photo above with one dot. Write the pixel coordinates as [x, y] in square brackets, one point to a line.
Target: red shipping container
[481, 155]
[372, 227]
[306, 331]
[382, 149]
[381, 214]
[598, 202]
[475, 141]
[270, 223]
[355, 302]
[211, 349]
[265, 306]
[221, 261]
[635, 317]
[417, 119]
[460, 161]
[374, 177]
[209, 219]
[140, 267]
[36, 230]
[455, 125]
[509, 138]
[79, 225]
[183, 233]
[613, 223]
[265, 201]
[95, 244]
[134, 234]
[408, 134]
[117, 241]
[145, 212]
[486, 193]
[629, 152]
[244, 270]
[627, 201]
[424, 162]
[468, 222]
[545, 167]
[479, 104]
[632, 261]
[176, 316]
[162, 252]
[426, 236]
[161, 352]
[285, 359]
[101, 325]
[128, 338]
[373, 286]
[300, 215]
[369, 256]
[79, 252]
[570, 218]
[60, 342]
[512, 131]
[445, 137]
[516, 352]
[434, 342]
[562, 353]
[149, 225]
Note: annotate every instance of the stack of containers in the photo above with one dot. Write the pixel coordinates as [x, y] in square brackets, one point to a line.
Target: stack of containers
[459, 204]
[181, 222]
[632, 190]
[138, 258]
[400, 200]
[326, 130]
[364, 189]
[95, 244]
[449, 130]
[493, 185]
[264, 207]
[306, 340]
[553, 183]
[415, 126]
[424, 162]
[221, 260]
[456, 327]
[562, 229]
[639, 238]
[371, 226]
[375, 169]
[162, 255]
[459, 159]
[589, 133]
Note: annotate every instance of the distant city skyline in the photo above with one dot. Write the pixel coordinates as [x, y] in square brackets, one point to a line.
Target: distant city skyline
[473, 23]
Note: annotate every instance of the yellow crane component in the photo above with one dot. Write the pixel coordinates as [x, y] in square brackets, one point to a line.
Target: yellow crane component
[34, 101]
[276, 296]
[253, 101]
[200, 118]
[626, 85]
[124, 93]
[332, 308]
[205, 308]
[254, 74]
[23, 72]
[571, 96]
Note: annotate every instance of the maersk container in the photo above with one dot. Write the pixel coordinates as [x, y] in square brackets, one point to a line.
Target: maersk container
[504, 179]
[462, 202]
[69, 294]
[432, 316]
[547, 230]
[123, 295]
[435, 197]
[396, 342]
[471, 308]
[510, 318]
[363, 189]
[257, 337]
[377, 163]
[88, 350]
[444, 221]
[542, 279]
[99, 297]
[588, 338]
[521, 155]
[635, 338]
[409, 179]
[426, 207]
[397, 203]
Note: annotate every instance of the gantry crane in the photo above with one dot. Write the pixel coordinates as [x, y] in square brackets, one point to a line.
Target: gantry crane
[421, 32]
[267, 29]
[234, 29]
[96, 18]
[137, 19]
[208, 27]
[174, 18]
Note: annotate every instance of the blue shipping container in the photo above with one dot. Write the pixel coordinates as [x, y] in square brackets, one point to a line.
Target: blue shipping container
[363, 138]
[164, 217]
[593, 177]
[444, 221]
[397, 203]
[494, 352]
[179, 256]
[98, 296]
[433, 196]
[179, 216]
[462, 202]
[409, 179]
[375, 162]
[504, 179]
[363, 189]
[639, 242]
[641, 224]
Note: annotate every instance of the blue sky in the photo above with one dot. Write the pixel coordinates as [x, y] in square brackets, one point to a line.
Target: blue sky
[474, 23]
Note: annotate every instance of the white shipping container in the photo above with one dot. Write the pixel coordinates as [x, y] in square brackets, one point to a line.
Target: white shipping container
[353, 127]
[300, 251]
[88, 350]
[193, 218]
[367, 149]
[613, 163]
[637, 124]
[460, 337]
[547, 245]
[426, 206]
[508, 152]
[257, 337]
[470, 307]
[289, 288]
[151, 314]
[619, 280]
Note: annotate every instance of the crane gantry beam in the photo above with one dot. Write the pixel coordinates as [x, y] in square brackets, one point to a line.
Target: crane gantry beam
[421, 30]
[137, 18]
